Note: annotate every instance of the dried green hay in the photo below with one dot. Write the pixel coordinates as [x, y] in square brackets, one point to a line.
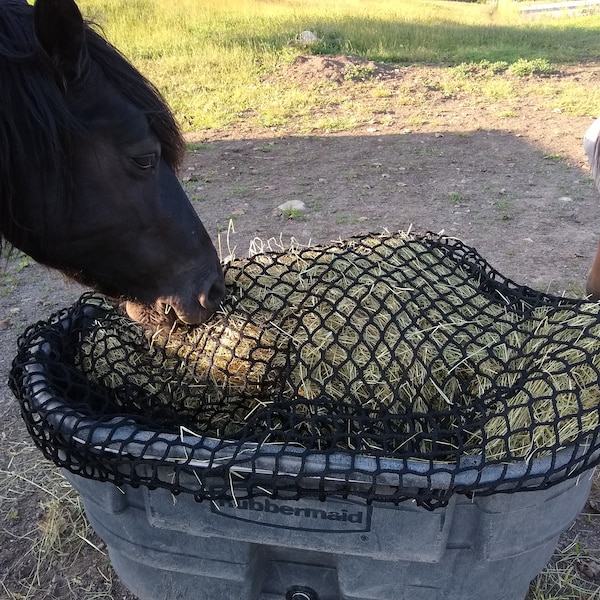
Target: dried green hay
[385, 343]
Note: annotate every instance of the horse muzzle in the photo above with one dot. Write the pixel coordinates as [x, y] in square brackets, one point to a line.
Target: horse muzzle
[190, 310]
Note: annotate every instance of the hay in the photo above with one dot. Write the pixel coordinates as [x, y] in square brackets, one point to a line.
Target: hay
[389, 324]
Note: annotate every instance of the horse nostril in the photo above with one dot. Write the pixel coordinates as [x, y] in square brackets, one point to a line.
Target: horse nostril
[214, 297]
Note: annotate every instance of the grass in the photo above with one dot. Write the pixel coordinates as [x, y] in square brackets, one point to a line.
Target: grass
[359, 73]
[456, 197]
[211, 58]
[562, 580]
[54, 542]
[293, 214]
[18, 262]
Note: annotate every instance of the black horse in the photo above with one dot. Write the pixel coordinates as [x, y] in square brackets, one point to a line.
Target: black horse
[88, 154]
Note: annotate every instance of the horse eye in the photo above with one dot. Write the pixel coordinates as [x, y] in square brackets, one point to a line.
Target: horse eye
[145, 162]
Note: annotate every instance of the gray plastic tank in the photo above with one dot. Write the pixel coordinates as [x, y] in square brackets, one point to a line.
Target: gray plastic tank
[173, 548]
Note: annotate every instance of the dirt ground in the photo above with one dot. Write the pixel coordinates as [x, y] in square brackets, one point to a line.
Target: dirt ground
[517, 188]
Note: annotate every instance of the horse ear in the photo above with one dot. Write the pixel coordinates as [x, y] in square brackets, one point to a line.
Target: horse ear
[60, 30]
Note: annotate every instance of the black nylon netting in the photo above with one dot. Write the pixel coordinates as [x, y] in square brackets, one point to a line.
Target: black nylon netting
[389, 367]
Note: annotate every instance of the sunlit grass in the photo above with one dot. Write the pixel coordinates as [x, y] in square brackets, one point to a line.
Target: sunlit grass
[569, 97]
[210, 58]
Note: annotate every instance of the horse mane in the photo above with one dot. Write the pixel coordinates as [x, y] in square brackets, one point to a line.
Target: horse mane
[36, 125]
[140, 92]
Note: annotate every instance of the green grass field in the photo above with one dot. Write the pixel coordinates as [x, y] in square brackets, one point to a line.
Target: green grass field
[208, 57]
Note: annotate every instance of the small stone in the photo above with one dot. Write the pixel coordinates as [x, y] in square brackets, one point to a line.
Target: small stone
[308, 37]
[292, 205]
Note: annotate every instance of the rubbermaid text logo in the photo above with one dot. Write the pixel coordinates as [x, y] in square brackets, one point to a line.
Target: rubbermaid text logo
[307, 515]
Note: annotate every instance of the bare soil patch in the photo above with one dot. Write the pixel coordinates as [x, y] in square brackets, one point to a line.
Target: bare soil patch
[339, 69]
[517, 188]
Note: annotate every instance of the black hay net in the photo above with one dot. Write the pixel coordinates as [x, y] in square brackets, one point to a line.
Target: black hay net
[388, 367]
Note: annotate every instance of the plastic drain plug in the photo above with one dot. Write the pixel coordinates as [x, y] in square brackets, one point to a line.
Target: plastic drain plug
[297, 592]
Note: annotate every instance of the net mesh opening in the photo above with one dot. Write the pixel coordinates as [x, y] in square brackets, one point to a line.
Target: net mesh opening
[388, 367]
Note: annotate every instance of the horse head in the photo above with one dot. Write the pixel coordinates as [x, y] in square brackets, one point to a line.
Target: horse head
[88, 158]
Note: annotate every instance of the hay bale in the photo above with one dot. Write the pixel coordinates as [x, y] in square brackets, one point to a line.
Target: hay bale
[393, 336]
